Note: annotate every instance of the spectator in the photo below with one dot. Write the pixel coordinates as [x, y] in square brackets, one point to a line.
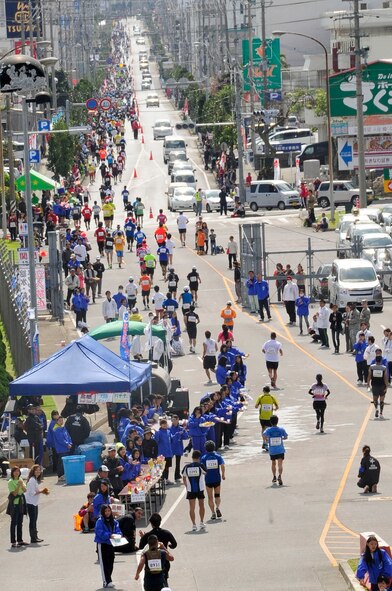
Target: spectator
[232, 251]
[375, 562]
[78, 427]
[109, 308]
[369, 472]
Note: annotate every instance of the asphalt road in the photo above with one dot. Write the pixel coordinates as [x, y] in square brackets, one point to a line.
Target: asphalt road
[289, 537]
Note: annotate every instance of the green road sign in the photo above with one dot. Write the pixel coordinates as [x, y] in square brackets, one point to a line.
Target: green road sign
[376, 88]
[273, 70]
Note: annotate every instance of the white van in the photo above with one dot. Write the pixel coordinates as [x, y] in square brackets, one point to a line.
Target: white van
[292, 136]
[184, 176]
[170, 143]
[354, 280]
[271, 194]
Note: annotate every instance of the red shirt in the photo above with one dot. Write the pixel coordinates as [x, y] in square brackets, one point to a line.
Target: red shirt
[100, 234]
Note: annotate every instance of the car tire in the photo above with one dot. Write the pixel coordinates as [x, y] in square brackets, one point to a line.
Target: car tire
[281, 206]
[253, 206]
[324, 202]
[378, 309]
[208, 208]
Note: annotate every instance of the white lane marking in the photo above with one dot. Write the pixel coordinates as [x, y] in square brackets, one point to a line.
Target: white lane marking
[174, 506]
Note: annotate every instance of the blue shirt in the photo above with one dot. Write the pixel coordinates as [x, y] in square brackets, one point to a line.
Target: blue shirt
[262, 289]
[359, 349]
[139, 237]
[194, 474]
[212, 460]
[302, 304]
[129, 228]
[275, 440]
[163, 254]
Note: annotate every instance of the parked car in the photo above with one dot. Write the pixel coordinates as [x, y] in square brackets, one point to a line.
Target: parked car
[353, 280]
[182, 198]
[140, 41]
[185, 176]
[161, 129]
[211, 201]
[316, 151]
[320, 284]
[144, 65]
[371, 243]
[271, 194]
[345, 222]
[176, 156]
[383, 265]
[152, 100]
[343, 192]
[386, 212]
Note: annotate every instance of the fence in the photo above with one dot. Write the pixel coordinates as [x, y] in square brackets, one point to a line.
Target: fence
[13, 311]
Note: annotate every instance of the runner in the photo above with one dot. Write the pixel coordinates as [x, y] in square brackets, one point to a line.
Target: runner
[96, 212]
[109, 245]
[119, 245]
[129, 228]
[267, 404]
[100, 235]
[154, 561]
[158, 299]
[191, 320]
[194, 281]
[274, 436]
[145, 284]
[150, 263]
[272, 349]
[228, 315]
[215, 466]
[131, 291]
[163, 255]
[172, 281]
[160, 235]
[378, 381]
[210, 348]
[193, 477]
[182, 221]
[320, 393]
[187, 299]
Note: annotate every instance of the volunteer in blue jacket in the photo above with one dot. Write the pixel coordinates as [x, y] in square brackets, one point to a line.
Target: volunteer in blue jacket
[375, 562]
[102, 497]
[215, 466]
[262, 291]
[50, 439]
[252, 294]
[275, 436]
[106, 529]
[131, 467]
[302, 304]
[62, 445]
[163, 439]
[197, 433]
[178, 435]
[221, 370]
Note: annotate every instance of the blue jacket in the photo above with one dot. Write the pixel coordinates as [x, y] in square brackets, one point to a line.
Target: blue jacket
[98, 501]
[131, 427]
[302, 306]
[163, 439]
[178, 435]
[103, 531]
[262, 289]
[231, 355]
[61, 439]
[130, 472]
[121, 426]
[376, 568]
[194, 426]
[118, 297]
[235, 389]
[359, 349]
[251, 285]
[49, 434]
[77, 303]
[221, 374]
[84, 300]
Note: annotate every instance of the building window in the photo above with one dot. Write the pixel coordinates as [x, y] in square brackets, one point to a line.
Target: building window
[363, 6]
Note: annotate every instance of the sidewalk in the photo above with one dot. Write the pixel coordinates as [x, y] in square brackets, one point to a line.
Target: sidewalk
[52, 336]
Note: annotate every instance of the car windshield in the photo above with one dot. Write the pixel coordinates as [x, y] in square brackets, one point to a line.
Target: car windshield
[358, 274]
[162, 124]
[377, 241]
[283, 187]
[324, 270]
[184, 193]
[185, 178]
[387, 209]
[359, 231]
[173, 144]
[212, 194]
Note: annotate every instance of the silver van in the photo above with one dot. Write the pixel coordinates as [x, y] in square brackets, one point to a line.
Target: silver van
[271, 194]
[170, 143]
[354, 280]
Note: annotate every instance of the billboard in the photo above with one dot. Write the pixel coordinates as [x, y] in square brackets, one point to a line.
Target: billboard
[273, 69]
[17, 13]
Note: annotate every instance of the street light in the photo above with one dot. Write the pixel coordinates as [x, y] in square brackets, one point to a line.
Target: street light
[24, 74]
[330, 146]
[51, 62]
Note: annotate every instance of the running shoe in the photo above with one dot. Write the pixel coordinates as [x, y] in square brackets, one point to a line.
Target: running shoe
[376, 415]
[194, 527]
[213, 516]
[318, 425]
[218, 513]
[202, 526]
[321, 430]
[280, 481]
[227, 447]
[274, 480]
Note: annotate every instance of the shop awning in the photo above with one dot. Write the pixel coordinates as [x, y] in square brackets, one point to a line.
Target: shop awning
[39, 182]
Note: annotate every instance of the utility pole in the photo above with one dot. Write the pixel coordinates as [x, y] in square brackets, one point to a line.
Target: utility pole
[238, 114]
[264, 69]
[2, 183]
[359, 97]
[250, 69]
[11, 161]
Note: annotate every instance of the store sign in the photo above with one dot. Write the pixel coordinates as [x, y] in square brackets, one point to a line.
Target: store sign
[376, 89]
[255, 75]
[378, 152]
[24, 285]
[17, 13]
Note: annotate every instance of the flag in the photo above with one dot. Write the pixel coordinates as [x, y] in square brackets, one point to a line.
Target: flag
[297, 173]
[276, 169]
[125, 347]
[185, 108]
[222, 161]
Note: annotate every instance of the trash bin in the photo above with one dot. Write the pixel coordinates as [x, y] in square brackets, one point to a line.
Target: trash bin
[74, 469]
[92, 452]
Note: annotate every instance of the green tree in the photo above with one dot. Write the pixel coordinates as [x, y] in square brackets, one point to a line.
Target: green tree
[61, 151]
[83, 90]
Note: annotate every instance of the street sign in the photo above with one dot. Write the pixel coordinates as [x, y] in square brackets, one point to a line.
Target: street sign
[22, 229]
[43, 125]
[105, 104]
[34, 157]
[287, 147]
[376, 88]
[339, 128]
[345, 154]
[92, 104]
[275, 95]
[273, 69]
[23, 256]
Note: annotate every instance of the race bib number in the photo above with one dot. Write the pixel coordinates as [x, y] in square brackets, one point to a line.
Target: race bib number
[266, 407]
[170, 308]
[186, 306]
[172, 283]
[275, 441]
[155, 565]
[378, 373]
[150, 264]
[212, 464]
[192, 472]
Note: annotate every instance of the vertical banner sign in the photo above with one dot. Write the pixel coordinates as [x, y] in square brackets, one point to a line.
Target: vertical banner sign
[273, 66]
[387, 180]
[297, 172]
[125, 348]
[276, 169]
[17, 13]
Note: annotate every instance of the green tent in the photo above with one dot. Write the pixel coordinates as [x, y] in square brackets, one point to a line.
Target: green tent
[39, 182]
[114, 329]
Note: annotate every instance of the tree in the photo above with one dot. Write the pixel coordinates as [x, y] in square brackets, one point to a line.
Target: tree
[61, 151]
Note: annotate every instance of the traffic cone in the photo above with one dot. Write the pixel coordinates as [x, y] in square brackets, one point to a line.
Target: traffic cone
[142, 139]
[151, 216]
[141, 129]
[151, 158]
[134, 173]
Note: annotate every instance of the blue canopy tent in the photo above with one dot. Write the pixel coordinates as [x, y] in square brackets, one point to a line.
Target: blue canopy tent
[84, 366]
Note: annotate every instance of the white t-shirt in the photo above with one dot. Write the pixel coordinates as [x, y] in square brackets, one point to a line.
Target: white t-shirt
[158, 299]
[272, 348]
[131, 289]
[210, 347]
[182, 221]
[32, 494]
[169, 245]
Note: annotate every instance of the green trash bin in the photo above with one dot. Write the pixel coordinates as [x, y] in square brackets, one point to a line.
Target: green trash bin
[74, 469]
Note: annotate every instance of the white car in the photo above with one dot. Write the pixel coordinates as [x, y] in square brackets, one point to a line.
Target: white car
[371, 243]
[185, 176]
[140, 41]
[176, 156]
[180, 166]
[152, 100]
[161, 129]
[146, 84]
[144, 65]
[182, 198]
[211, 201]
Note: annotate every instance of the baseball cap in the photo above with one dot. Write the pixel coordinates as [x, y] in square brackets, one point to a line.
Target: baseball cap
[110, 448]
[98, 258]
[186, 288]
[194, 268]
[228, 303]
[104, 469]
[131, 279]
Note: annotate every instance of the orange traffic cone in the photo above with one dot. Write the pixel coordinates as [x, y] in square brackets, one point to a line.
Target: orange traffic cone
[151, 158]
[151, 216]
[134, 173]
[142, 139]
[141, 129]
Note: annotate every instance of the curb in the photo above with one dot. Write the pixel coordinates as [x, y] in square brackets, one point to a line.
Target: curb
[348, 575]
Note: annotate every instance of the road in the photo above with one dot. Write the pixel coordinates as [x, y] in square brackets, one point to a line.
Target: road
[289, 537]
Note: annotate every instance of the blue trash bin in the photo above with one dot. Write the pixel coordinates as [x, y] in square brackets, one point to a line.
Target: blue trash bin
[92, 452]
[74, 469]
